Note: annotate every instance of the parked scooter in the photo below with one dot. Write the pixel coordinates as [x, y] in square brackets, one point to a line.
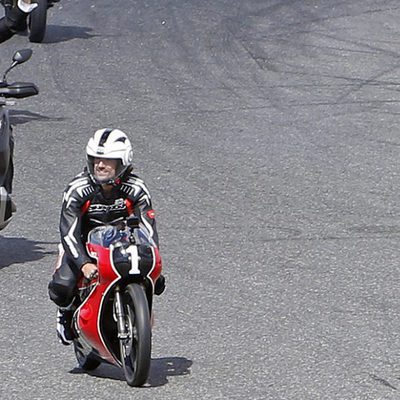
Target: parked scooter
[17, 90]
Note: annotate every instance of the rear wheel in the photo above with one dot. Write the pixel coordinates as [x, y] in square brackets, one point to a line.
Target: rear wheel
[87, 363]
[37, 22]
[136, 348]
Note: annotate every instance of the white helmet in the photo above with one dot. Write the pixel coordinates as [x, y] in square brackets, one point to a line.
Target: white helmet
[113, 144]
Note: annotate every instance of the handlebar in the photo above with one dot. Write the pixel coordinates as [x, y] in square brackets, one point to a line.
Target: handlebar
[18, 90]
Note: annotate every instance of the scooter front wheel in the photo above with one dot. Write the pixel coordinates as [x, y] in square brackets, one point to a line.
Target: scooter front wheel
[136, 348]
[37, 20]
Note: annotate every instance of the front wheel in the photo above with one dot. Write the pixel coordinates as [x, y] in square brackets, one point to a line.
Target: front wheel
[37, 22]
[136, 348]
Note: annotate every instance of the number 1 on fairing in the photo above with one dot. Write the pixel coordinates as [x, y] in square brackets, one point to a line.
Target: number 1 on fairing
[133, 251]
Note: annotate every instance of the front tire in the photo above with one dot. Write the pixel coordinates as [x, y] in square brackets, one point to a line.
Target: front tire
[136, 349]
[37, 22]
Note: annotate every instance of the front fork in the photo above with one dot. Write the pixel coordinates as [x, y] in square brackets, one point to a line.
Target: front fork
[119, 314]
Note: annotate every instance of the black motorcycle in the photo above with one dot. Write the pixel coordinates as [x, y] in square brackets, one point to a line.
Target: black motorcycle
[16, 90]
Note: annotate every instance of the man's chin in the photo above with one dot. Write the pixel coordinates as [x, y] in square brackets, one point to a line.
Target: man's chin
[104, 179]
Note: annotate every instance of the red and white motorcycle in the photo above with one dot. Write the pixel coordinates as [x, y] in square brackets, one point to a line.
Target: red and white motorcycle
[113, 320]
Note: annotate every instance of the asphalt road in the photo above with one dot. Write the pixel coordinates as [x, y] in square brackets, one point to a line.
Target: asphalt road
[268, 134]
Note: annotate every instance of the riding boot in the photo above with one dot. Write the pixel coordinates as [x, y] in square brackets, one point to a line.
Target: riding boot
[65, 331]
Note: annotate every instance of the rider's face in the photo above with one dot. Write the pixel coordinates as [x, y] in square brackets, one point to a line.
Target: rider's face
[105, 168]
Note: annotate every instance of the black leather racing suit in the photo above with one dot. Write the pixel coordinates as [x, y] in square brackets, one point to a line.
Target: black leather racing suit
[86, 206]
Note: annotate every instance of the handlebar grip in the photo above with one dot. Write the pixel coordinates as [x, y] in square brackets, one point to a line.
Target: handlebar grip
[19, 90]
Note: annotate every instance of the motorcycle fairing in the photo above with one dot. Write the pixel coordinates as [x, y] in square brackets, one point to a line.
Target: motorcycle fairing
[86, 324]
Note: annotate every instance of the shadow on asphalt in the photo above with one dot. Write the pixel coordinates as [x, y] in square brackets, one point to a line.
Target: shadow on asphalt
[57, 34]
[20, 250]
[160, 370]
[20, 117]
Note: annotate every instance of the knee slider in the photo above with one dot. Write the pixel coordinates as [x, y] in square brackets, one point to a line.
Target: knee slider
[61, 294]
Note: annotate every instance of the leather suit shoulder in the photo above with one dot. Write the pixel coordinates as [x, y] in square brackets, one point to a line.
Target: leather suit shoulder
[80, 188]
[133, 186]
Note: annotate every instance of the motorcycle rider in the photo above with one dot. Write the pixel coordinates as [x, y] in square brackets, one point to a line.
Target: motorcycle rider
[107, 191]
[15, 17]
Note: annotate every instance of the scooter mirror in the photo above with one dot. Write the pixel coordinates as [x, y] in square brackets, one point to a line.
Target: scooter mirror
[21, 56]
